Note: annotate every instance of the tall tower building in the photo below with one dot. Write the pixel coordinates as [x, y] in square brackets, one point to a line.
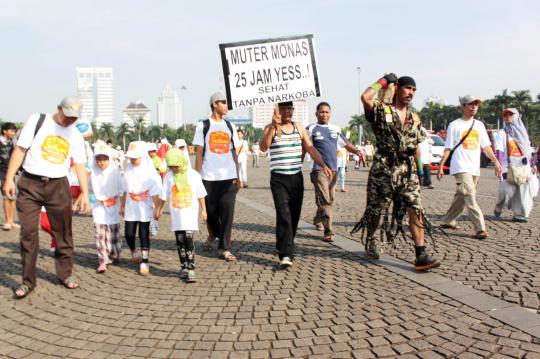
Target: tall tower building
[169, 108]
[95, 89]
[262, 115]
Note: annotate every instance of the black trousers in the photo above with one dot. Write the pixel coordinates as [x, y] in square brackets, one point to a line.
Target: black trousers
[186, 249]
[288, 194]
[220, 199]
[427, 175]
[144, 234]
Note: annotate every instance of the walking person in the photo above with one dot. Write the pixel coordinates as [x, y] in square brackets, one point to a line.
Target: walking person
[513, 150]
[106, 186]
[342, 157]
[393, 176]
[44, 148]
[369, 151]
[141, 186]
[217, 162]
[286, 141]
[9, 130]
[255, 152]
[183, 186]
[465, 138]
[326, 138]
[425, 157]
[242, 150]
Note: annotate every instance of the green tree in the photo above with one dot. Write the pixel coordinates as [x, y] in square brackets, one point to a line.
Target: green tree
[122, 132]
[106, 131]
[354, 125]
[139, 128]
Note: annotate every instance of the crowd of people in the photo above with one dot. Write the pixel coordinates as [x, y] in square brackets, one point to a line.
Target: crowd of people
[50, 171]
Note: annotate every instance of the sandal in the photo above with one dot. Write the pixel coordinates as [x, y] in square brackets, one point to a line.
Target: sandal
[208, 245]
[135, 257]
[69, 283]
[24, 291]
[481, 235]
[227, 256]
[328, 238]
[497, 212]
[102, 268]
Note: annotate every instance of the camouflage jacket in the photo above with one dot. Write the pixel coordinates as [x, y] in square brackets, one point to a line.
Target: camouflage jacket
[391, 136]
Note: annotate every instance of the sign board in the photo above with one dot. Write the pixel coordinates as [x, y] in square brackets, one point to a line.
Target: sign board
[84, 127]
[269, 71]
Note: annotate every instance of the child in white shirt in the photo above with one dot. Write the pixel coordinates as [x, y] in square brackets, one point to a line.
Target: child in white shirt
[141, 185]
[106, 186]
[185, 189]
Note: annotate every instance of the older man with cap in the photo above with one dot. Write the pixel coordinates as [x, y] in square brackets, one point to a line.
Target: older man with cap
[465, 138]
[217, 162]
[393, 176]
[44, 149]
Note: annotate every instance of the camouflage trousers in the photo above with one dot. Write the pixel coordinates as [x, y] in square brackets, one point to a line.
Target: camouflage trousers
[390, 183]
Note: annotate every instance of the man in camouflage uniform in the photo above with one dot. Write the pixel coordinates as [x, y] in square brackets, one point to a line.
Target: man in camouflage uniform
[393, 177]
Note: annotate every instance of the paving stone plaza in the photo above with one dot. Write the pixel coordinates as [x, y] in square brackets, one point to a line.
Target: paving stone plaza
[483, 302]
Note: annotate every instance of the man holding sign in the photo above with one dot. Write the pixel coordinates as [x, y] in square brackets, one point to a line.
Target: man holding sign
[286, 142]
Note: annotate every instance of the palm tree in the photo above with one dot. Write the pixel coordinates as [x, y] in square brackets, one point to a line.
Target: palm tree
[154, 132]
[107, 130]
[122, 131]
[359, 121]
[139, 127]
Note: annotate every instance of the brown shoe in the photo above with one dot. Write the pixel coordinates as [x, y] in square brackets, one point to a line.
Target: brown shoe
[481, 235]
[450, 226]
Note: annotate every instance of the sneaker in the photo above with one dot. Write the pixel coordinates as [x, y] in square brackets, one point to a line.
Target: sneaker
[372, 249]
[191, 277]
[520, 219]
[285, 262]
[144, 269]
[497, 212]
[424, 262]
[183, 273]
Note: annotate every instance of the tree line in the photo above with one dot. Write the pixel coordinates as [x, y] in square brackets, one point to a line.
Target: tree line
[436, 117]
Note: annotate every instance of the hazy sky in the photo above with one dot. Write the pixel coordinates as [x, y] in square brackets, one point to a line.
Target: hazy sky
[450, 47]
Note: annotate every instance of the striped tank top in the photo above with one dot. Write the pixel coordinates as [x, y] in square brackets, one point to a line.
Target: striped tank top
[286, 153]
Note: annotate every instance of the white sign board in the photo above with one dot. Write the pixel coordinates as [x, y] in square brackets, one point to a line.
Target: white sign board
[269, 71]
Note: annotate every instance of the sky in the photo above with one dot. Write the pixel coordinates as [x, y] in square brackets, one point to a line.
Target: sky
[451, 48]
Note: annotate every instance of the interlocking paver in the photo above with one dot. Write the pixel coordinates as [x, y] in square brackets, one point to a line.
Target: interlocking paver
[330, 303]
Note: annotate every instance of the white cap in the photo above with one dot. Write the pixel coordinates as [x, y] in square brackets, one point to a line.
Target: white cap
[180, 143]
[152, 146]
[137, 149]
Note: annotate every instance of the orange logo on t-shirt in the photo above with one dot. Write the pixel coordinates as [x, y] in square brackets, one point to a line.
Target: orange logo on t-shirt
[138, 197]
[55, 149]
[219, 142]
[513, 148]
[181, 198]
[109, 202]
[472, 141]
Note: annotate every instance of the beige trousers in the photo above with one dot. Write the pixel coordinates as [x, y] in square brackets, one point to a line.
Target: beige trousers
[465, 196]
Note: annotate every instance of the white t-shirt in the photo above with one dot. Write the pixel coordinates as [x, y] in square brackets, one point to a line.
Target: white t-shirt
[342, 157]
[466, 157]
[140, 206]
[218, 163]
[184, 206]
[425, 151]
[107, 211]
[242, 150]
[51, 148]
[369, 150]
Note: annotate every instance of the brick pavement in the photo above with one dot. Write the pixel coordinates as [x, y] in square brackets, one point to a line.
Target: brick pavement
[330, 304]
[506, 266]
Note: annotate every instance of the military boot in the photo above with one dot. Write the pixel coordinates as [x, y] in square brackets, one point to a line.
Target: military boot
[373, 250]
[424, 262]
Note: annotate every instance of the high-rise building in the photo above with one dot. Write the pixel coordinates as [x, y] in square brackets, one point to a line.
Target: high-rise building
[134, 111]
[95, 89]
[262, 115]
[169, 108]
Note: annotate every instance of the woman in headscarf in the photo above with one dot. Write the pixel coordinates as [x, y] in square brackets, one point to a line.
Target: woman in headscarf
[512, 147]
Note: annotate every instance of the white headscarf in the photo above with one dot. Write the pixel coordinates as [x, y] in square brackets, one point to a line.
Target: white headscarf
[143, 177]
[105, 183]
